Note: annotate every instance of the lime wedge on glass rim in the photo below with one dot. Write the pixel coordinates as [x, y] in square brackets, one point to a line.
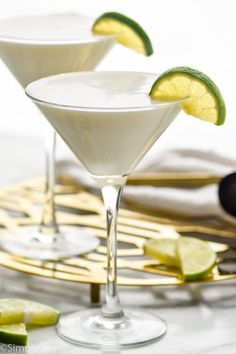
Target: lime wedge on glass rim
[204, 100]
[14, 334]
[128, 32]
[194, 257]
[14, 311]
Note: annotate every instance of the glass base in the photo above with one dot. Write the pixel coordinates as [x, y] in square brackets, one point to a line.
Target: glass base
[84, 328]
[28, 241]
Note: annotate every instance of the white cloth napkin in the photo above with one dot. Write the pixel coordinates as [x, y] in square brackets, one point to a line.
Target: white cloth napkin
[193, 202]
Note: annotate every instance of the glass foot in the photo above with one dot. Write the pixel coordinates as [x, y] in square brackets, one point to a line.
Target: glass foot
[83, 328]
[27, 241]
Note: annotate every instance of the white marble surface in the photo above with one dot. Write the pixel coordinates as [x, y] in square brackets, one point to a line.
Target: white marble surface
[201, 319]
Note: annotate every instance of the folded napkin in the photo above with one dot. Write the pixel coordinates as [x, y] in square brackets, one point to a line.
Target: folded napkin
[200, 202]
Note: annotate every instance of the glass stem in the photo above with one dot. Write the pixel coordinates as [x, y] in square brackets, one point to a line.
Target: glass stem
[49, 224]
[111, 309]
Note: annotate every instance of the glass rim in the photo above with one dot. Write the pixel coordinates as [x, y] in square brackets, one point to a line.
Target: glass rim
[42, 102]
[51, 42]
[31, 41]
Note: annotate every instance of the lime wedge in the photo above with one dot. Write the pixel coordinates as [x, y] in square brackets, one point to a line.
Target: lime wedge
[196, 258]
[205, 100]
[128, 32]
[14, 334]
[17, 311]
[163, 249]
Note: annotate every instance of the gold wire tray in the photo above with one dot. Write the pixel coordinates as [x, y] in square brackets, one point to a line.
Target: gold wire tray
[20, 204]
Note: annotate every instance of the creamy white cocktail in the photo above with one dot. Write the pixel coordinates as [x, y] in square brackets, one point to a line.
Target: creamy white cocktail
[36, 46]
[120, 126]
[110, 122]
[33, 47]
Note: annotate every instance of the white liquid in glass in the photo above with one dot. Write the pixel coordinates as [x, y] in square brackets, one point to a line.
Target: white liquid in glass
[37, 46]
[120, 125]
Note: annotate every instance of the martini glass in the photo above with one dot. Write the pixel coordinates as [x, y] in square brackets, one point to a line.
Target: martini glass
[110, 135]
[33, 47]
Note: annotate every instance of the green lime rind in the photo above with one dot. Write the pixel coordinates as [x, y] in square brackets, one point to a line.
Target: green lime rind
[14, 334]
[130, 23]
[196, 258]
[204, 79]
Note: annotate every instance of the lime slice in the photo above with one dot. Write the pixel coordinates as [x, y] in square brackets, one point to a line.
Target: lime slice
[14, 334]
[128, 32]
[196, 258]
[29, 312]
[163, 249]
[205, 100]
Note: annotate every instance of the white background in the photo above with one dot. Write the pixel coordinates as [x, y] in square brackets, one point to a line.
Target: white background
[197, 33]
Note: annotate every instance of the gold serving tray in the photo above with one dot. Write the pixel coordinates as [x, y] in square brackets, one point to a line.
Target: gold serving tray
[20, 204]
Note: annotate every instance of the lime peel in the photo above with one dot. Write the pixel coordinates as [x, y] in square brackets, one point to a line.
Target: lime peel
[127, 31]
[204, 100]
[14, 334]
